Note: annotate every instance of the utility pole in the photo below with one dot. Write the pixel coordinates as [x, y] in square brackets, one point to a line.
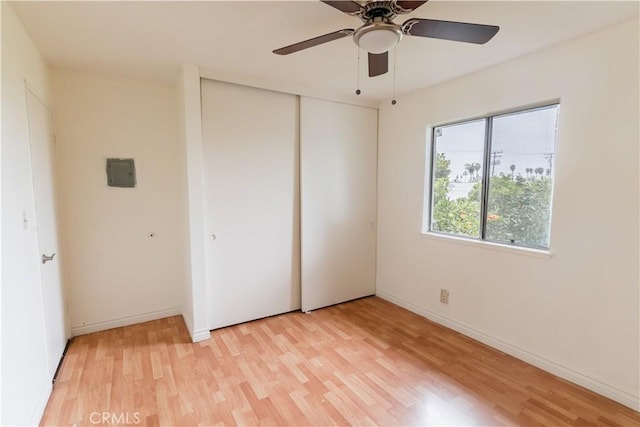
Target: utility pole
[495, 160]
[549, 157]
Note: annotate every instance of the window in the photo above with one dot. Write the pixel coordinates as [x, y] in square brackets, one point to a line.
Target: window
[492, 178]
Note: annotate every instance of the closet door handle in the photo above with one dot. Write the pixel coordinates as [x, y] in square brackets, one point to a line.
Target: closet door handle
[47, 258]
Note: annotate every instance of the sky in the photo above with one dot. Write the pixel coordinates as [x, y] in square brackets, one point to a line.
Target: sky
[523, 138]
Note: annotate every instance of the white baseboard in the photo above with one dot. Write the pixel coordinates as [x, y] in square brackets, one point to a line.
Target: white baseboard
[593, 384]
[41, 404]
[200, 335]
[124, 321]
[196, 336]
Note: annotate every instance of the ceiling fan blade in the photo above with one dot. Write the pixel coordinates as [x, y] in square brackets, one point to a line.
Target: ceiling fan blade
[313, 42]
[447, 30]
[378, 63]
[403, 7]
[348, 7]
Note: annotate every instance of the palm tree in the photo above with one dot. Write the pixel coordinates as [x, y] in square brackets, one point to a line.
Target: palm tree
[470, 168]
[476, 167]
[512, 168]
[539, 171]
[529, 172]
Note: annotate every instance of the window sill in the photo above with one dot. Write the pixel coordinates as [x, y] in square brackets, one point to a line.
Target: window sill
[499, 247]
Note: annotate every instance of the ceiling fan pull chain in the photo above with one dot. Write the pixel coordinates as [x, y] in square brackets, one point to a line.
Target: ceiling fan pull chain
[393, 96]
[358, 92]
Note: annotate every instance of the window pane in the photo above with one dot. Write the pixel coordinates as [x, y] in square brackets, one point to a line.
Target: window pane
[457, 178]
[521, 177]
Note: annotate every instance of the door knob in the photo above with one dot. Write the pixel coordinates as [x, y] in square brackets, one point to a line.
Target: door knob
[47, 258]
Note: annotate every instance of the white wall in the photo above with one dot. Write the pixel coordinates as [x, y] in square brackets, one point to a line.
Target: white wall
[576, 313]
[25, 378]
[187, 294]
[195, 310]
[116, 273]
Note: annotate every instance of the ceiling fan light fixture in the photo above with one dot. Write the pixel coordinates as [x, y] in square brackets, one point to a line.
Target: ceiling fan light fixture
[377, 37]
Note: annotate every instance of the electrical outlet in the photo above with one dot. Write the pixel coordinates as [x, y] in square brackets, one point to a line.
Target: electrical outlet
[444, 296]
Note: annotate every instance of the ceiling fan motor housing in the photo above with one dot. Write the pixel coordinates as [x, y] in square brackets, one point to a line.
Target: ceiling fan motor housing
[378, 9]
[378, 34]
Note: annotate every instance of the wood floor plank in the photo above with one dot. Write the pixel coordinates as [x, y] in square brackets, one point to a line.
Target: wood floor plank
[365, 362]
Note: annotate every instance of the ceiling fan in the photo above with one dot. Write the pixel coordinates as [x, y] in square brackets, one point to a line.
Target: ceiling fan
[379, 33]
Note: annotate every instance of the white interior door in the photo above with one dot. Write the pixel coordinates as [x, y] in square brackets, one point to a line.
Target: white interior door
[250, 149]
[338, 167]
[42, 158]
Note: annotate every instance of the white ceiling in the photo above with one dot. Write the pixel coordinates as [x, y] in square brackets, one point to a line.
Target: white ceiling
[233, 40]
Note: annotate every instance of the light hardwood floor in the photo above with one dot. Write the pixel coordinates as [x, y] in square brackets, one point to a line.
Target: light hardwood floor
[365, 362]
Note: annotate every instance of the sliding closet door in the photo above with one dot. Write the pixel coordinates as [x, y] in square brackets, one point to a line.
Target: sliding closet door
[250, 148]
[338, 144]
